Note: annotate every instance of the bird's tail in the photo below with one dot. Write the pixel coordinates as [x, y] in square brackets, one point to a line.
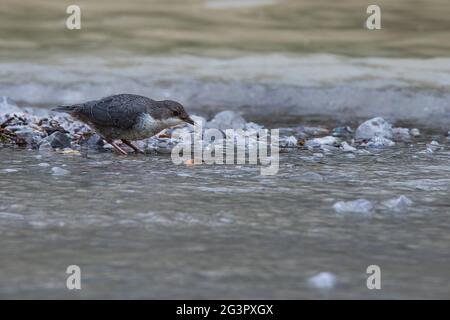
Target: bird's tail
[67, 109]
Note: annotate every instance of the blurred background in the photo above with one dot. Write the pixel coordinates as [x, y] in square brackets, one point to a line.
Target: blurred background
[262, 57]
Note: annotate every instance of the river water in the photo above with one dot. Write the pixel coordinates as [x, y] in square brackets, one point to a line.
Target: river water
[142, 227]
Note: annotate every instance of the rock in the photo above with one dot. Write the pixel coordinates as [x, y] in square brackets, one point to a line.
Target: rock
[44, 164]
[311, 176]
[57, 171]
[398, 204]
[415, 132]
[94, 142]
[322, 280]
[347, 148]
[342, 131]
[356, 206]
[30, 136]
[227, 120]
[288, 142]
[378, 142]
[45, 147]
[401, 134]
[319, 142]
[433, 146]
[376, 127]
[59, 140]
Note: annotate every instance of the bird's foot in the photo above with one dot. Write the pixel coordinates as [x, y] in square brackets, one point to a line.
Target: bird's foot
[118, 149]
[132, 146]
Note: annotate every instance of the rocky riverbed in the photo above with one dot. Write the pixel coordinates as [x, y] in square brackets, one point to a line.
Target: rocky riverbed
[47, 131]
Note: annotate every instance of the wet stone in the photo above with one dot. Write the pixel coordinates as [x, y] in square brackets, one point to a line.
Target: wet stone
[59, 140]
[356, 206]
[376, 127]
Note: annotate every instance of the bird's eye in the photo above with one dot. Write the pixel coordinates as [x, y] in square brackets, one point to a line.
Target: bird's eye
[176, 113]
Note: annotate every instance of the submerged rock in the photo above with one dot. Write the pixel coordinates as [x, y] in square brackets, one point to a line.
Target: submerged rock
[311, 176]
[322, 280]
[398, 204]
[356, 206]
[376, 127]
[57, 171]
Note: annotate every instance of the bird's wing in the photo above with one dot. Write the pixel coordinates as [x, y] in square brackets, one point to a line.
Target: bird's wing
[119, 111]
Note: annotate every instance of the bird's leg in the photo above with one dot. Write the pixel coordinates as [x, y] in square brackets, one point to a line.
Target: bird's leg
[118, 149]
[132, 146]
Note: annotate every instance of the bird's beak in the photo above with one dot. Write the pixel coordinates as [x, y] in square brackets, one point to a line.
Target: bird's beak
[189, 120]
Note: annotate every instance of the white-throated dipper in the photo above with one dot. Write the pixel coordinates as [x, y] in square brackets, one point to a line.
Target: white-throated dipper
[128, 117]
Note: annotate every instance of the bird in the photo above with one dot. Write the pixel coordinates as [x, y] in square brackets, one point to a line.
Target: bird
[127, 117]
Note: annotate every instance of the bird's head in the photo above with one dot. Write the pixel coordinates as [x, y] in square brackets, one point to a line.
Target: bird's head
[173, 113]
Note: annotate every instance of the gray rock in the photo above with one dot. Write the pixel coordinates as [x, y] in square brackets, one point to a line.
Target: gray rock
[30, 136]
[324, 141]
[57, 171]
[311, 176]
[288, 142]
[59, 140]
[346, 147]
[401, 134]
[415, 132]
[227, 120]
[342, 131]
[376, 127]
[378, 142]
[95, 142]
[45, 147]
[356, 206]
[398, 204]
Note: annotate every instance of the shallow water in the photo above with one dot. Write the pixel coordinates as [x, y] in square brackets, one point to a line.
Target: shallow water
[141, 227]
